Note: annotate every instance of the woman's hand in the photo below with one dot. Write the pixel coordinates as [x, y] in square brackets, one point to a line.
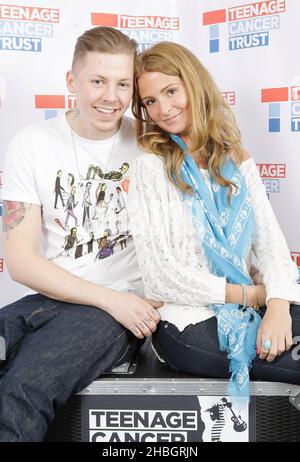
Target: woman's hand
[276, 326]
[256, 295]
[258, 290]
[255, 275]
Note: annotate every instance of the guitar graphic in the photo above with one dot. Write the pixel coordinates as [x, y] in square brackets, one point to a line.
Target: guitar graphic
[238, 424]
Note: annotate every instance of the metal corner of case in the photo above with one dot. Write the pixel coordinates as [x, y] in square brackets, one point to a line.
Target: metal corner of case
[294, 398]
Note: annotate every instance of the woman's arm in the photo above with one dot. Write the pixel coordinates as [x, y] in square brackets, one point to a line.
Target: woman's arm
[165, 275]
[279, 273]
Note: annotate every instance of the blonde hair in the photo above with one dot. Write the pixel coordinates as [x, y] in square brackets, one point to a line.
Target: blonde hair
[213, 128]
[103, 39]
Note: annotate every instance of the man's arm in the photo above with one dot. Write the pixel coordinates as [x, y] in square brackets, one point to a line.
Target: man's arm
[22, 232]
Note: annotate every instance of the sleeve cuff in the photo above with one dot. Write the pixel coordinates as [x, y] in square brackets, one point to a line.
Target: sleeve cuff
[26, 198]
[292, 294]
[219, 291]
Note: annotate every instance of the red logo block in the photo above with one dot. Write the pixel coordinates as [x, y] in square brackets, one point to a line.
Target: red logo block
[272, 170]
[55, 101]
[1, 265]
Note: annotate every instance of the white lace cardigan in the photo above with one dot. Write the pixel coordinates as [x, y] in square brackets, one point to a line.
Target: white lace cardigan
[172, 262]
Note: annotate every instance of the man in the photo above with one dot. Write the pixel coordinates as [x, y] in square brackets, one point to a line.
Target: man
[86, 314]
[58, 189]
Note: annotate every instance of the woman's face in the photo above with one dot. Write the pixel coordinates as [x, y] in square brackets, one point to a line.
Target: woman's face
[166, 101]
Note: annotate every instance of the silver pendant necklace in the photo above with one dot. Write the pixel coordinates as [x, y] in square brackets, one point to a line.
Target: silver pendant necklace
[74, 115]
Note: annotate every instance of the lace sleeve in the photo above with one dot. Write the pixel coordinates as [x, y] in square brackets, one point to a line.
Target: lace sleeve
[274, 262]
[161, 241]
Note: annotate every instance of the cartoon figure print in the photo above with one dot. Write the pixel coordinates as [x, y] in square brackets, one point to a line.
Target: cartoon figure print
[70, 206]
[93, 211]
[86, 204]
[120, 200]
[70, 241]
[117, 176]
[58, 189]
[101, 205]
[114, 175]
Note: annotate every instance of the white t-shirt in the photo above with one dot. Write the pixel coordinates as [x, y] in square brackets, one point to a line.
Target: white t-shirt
[82, 187]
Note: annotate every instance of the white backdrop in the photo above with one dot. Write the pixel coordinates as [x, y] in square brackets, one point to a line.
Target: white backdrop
[251, 49]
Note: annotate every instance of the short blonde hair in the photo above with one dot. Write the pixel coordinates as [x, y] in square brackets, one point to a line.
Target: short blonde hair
[103, 39]
[213, 126]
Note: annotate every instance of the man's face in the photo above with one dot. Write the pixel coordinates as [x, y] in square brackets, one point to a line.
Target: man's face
[103, 84]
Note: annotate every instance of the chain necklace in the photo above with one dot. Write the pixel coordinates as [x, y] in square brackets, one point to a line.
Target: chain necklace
[75, 114]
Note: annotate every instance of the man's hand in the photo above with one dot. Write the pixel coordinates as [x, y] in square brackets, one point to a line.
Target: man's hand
[137, 314]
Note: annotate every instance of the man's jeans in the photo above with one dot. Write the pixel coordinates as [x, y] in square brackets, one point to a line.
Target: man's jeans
[196, 351]
[53, 350]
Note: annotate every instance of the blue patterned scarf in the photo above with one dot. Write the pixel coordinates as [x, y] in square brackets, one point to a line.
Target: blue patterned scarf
[226, 233]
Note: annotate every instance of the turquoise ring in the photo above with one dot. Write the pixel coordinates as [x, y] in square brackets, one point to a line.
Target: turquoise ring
[267, 344]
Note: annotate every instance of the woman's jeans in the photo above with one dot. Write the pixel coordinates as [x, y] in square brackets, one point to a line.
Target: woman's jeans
[196, 351]
[53, 350]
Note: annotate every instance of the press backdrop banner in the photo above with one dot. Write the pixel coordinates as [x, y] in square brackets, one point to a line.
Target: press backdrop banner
[251, 49]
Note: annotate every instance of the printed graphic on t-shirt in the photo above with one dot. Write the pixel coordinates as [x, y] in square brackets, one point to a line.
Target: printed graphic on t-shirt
[92, 212]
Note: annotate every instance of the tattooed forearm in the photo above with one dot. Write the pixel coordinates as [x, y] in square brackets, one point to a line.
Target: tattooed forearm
[13, 214]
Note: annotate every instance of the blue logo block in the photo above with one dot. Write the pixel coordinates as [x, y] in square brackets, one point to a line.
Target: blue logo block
[50, 113]
[295, 124]
[272, 185]
[214, 46]
[214, 32]
[274, 110]
[20, 44]
[274, 125]
[240, 42]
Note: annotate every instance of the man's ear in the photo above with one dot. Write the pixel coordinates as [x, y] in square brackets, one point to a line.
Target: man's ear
[70, 80]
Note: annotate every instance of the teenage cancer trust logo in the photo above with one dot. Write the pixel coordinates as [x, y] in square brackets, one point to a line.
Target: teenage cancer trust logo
[146, 30]
[229, 97]
[271, 175]
[249, 25]
[22, 28]
[275, 97]
[52, 103]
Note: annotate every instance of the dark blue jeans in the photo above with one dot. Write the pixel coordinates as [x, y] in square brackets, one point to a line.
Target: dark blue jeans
[196, 351]
[53, 350]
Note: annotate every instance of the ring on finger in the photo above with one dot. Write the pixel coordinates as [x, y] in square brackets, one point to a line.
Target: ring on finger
[267, 344]
[147, 319]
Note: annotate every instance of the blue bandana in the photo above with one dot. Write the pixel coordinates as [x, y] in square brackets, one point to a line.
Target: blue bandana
[226, 233]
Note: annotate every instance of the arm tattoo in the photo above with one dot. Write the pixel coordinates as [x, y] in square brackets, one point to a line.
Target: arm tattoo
[13, 214]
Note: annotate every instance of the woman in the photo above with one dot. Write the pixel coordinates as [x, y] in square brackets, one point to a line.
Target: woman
[199, 213]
